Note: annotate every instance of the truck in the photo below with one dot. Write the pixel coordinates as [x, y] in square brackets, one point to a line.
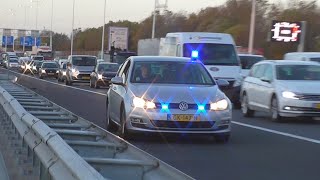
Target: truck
[44, 51]
[149, 47]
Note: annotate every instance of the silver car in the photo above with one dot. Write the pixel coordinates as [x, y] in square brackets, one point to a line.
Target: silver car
[168, 95]
[283, 89]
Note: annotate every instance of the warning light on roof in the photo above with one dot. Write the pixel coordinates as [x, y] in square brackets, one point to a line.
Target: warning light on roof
[194, 54]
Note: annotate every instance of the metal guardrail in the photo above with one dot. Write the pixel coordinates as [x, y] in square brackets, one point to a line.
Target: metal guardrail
[56, 144]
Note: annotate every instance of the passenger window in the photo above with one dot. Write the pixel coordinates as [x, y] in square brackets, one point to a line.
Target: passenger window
[257, 71]
[268, 73]
[178, 51]
[124, 75]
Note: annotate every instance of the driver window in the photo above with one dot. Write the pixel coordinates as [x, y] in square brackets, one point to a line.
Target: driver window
[268, 73]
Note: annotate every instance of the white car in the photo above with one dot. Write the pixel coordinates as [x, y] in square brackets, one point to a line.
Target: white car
[168, 95]
[283, 88]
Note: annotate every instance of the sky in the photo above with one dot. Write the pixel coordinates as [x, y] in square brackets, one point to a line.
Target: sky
[21, 14]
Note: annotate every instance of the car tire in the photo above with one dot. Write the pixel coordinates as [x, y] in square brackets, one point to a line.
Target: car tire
[274, 110]
[110, 125]
[122, 129]
[91, 84]
[222, 138]
[246, 111]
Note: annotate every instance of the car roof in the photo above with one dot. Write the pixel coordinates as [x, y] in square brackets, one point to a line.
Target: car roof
[49, 62]
[160, 58]
[108, 63]
[83, 56]
[253, 55]
[289, 62]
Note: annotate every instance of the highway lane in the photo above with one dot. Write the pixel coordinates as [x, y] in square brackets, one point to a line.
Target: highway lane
[250, 154]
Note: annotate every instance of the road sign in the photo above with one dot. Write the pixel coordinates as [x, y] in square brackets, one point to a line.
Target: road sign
[29, 41]
[35, 33]
[7, 40]
[118, 37]
[283, 31]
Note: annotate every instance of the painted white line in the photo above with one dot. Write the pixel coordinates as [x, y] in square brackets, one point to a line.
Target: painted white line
[278, 132]
[58, 83]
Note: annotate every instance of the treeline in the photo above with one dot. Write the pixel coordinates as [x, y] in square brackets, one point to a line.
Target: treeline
[233, 17]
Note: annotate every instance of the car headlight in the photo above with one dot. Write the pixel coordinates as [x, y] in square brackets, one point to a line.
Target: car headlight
[100, 76]
[289, 95]
[28, 67]
[73, 70]
[141, 103]
[219, 105]
[34, 68]
[64, 73]
[43, 71]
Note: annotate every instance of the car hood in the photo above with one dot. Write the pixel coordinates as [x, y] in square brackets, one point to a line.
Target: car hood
[177, 93]
[84, 68]
[307, 87]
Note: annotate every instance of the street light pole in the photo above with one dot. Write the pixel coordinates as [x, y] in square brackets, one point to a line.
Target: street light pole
[72, 33]
[154, 19]
[103, 29]
[252, 27]
[51, 25]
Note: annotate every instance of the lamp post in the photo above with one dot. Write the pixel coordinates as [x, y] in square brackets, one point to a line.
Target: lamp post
[157, 6]
[72, 33]
[252, 27]
[51, 25]
[103, 30]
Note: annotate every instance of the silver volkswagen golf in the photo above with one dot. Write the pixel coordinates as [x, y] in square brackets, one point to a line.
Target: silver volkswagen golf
[167, 95]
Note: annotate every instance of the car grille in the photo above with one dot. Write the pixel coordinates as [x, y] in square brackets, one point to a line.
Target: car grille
[51, 71]
[309, 97]
[182, 125]
[176, 106]
[83, 76]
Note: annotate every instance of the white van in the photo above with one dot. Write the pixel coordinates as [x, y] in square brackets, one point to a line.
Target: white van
[217, 51]
[303, 56]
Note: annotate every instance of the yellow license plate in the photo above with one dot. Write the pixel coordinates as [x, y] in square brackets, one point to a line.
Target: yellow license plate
[86, 78]
[184, 117]
[318, 106]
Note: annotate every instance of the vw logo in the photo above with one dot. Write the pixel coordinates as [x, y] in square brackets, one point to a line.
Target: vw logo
[214, 69]
[183, 106]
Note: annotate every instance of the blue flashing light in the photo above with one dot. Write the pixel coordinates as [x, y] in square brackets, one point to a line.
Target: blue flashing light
[165, 107]
[201, 107]
[195, 54]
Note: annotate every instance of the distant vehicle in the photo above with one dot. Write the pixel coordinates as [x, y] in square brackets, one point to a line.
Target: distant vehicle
[48, 69]
[19, 53]
[167, 95]
[247, 61]
[44, 51]
[36, 65]
[148, 47]
[2, 58]
[25, 65]
[62, 61]
[81, 68]
[11, 61]
[62, 72]
[217, 51]
[103, 73]
[303, 56]
[282, 89]
[121, 56]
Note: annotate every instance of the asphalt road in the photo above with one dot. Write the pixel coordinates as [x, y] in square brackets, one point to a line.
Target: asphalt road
[258, 148]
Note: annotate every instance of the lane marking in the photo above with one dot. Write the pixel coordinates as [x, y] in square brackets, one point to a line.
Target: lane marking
[233, 122]
[278, 132]
[57, 83]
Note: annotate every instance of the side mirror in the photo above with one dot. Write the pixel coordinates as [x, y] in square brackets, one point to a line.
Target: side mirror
[117, 80]
[222, 83]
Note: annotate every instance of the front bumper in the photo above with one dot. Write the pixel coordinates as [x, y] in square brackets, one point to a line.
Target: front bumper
[49, 75]
[299, 108]
[81, 77]
[141, 120]
[105, 81]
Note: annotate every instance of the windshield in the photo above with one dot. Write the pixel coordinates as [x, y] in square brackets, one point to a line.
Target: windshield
[248, 61]
[317, 59]
[298, 72]
[170, 73]
[38, 63]
[45, 54]
[13, 60]
[213, 54]
[108, 67]
[38, 58]
[50, 65]
[84, 61]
